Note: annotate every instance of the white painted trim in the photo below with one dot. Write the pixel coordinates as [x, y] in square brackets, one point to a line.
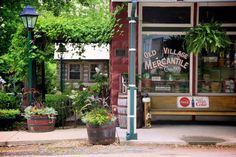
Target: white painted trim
[132, 49]
[132, 21]
[191, 74]
[163, 33]
[165, 25]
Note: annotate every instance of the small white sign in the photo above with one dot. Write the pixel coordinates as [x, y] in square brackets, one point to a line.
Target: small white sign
[192, 102]
[201, 102]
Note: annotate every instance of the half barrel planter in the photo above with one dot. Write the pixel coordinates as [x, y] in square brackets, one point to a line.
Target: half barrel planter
[40, 123]
[101, 134]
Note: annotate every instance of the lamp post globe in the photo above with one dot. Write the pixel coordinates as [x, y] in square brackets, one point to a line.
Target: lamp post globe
[29, 18]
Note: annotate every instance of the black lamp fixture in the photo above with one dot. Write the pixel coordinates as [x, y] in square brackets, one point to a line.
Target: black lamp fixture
[61, 49]
[29, 17]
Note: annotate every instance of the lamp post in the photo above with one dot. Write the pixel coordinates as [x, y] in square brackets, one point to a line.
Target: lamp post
[29, 18]
[61, 49]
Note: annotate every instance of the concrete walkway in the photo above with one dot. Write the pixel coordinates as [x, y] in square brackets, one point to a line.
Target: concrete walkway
[158, 134]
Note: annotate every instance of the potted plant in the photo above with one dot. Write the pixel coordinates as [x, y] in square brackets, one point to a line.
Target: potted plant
[146, 81]
[208, 36]
[39, 117]
[92, 105]
[100, 123]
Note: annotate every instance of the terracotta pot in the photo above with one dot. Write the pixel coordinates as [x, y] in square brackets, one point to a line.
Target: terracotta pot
[102, 134]
[147, 84]
[40, 123]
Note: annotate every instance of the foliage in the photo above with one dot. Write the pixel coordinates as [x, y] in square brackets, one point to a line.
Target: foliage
[80, 99]
[62, 104]
[34, 110]
[93, 95]
[99, 116]
[208, 36]
[9, 113]
[50, 76]
[92, 104]
[8, 101]
[76, 23]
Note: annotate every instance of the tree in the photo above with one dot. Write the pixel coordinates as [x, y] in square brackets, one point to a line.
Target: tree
[74, 21]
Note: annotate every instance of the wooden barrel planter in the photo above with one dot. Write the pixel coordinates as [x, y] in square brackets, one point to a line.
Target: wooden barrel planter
[40, 123]
[122, 107]
[122, 110]
[104, 134]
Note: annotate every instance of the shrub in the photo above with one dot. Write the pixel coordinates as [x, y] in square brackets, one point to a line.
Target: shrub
[62, 104]
[9, 113]
[8, 117]
[9, 101]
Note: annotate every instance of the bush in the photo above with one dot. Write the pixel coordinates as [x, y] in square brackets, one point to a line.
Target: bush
[62, 104]
[8, 117]
[9, 113]
[9, 101]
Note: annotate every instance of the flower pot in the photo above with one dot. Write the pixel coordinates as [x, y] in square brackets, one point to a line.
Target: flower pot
[40, 123]
[101, 134]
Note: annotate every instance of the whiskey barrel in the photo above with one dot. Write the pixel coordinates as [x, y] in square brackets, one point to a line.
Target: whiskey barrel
[122, 105]
[101, 134]
[40, 123]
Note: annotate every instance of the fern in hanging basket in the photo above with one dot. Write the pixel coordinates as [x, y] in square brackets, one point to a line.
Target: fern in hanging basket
[208, 36]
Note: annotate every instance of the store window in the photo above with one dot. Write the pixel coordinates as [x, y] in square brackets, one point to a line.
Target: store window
[217, 72]
[165, 64]
[224, 14]
[74, 71]
[166, 14]
[93, 70]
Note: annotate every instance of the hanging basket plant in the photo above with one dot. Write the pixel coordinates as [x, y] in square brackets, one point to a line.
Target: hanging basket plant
[208, 36]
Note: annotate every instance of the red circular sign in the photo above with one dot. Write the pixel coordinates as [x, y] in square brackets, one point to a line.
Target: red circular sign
[184, 101]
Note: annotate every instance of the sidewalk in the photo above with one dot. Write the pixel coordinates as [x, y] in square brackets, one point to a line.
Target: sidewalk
[158, 134]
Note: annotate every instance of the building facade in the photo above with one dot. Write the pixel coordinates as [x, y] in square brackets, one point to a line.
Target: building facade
[178, 82]
[78, 64]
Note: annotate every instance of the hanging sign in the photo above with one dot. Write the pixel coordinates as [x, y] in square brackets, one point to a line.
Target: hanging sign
[192, 102]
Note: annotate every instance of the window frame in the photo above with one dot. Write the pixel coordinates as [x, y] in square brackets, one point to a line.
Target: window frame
[141, 33]
[69, 71]
[98, 65]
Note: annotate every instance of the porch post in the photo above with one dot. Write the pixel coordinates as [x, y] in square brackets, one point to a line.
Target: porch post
[132, 92]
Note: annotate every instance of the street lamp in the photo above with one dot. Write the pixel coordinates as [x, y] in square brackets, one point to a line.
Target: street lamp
[61, 49]
[29, 18]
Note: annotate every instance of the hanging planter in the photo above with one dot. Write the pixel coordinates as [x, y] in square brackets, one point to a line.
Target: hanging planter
[208, 36]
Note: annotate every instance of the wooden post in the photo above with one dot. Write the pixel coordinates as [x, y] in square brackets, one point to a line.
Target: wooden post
[147, 114]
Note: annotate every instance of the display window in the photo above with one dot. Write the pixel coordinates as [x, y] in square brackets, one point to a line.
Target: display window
[217, 72]
[165, 64]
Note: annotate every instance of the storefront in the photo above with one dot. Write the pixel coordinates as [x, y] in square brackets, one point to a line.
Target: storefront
[178, 82]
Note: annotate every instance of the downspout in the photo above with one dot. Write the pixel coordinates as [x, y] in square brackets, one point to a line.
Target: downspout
[132, 91]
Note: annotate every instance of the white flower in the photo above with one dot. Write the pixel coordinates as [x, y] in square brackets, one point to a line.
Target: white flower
[2, 81]
[97, 70]
[3, 25]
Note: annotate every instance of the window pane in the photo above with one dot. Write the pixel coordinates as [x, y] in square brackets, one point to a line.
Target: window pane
[217, 72]
[220, 14]
[167, 15]
[165, 66]
[93, 71]
[74, 71]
